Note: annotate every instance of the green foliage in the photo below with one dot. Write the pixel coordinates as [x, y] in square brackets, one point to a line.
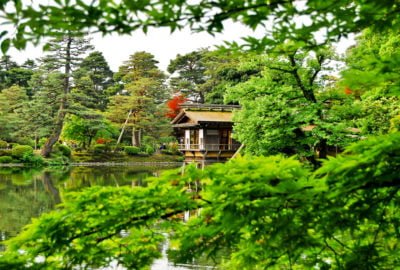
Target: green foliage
[95, 74]
[282, 111]
[25, 141]
[85, 128]
[3, 144]
[40, 112]
[139, 107]
[335, 18]
[131, 150]
[190, 69]
[5, 152]
[12, 102]
[374, 62]
[166, 152]
[65, 150]
[11, 74]
[19, 151]
[148, 149]
[98, 209]
[57, 160]
[31, 159]
[100, 148]
[267, 212]
[6, 159]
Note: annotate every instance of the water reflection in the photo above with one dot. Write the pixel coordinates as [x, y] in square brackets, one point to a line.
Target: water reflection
[27, 193]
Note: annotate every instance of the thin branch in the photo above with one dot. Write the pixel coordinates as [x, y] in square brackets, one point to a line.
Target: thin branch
[320, 59]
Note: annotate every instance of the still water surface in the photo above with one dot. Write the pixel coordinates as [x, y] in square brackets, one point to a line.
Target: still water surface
[27, 193]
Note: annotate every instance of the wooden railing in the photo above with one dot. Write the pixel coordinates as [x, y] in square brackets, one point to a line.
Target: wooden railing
[210, 147]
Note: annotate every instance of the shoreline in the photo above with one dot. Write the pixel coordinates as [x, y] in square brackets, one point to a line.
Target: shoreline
[95, 164]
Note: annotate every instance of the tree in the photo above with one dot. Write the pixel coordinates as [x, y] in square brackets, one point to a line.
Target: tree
[204, 76]
[334, 18]
[174, 106]
[84, 130]
[139, 65]
[278, 216]
[280, 105]
[95, 68]
[40, 113]
[191, 75]
[12, 74]
[269, 212]
[226, 68]
[372, 63]
[66, 54]
[12, 102]
[137, 105]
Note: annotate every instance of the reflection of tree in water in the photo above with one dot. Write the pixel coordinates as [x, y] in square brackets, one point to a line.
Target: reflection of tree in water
[49, 186]
[108, 176]
[27, 193]
[23, 195]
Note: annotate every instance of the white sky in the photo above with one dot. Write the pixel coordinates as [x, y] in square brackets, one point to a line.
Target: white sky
[160, 42]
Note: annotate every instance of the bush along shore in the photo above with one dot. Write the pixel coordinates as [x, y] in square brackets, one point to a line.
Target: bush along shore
[100, 155]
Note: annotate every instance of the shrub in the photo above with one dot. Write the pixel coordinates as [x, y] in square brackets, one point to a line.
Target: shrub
[103, 141]
[6, 159]
[166, 152]
[148, 149]
[65, 151]
[99, 148]
[174, 148]
[131, 150]
[19, 151]
[5, 152]
[26, 141]
[12, 145]
[42, 141]
[57, 161]
[32, 159]
[3, 144]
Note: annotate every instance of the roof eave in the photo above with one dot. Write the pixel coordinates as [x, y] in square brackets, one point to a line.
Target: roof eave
[178, 117]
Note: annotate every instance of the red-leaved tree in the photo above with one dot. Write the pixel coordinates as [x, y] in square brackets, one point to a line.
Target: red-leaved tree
[174, 106]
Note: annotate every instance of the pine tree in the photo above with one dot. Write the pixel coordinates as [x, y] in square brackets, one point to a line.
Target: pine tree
[66, 53]
[95, 75]
[138, 102]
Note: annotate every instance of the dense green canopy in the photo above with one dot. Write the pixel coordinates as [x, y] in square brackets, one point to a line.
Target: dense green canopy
[271, 212]
[290, 19]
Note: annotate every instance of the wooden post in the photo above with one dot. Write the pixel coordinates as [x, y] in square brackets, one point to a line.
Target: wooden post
[187, 139]
[238, 151]
[201, 139]
[123, 129]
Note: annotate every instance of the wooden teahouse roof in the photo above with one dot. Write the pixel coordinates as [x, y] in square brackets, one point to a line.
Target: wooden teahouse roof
[192, 115]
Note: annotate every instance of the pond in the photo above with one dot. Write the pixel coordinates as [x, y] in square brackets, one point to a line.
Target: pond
[27, 193]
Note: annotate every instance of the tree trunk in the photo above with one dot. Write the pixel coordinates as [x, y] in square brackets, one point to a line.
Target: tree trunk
[323, 149]
[48, 146]
[90, 141]
[134, 139]
[139, 138]
[201, 98]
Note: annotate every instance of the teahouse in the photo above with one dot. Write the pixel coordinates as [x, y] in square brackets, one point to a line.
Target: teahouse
[205, 132]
